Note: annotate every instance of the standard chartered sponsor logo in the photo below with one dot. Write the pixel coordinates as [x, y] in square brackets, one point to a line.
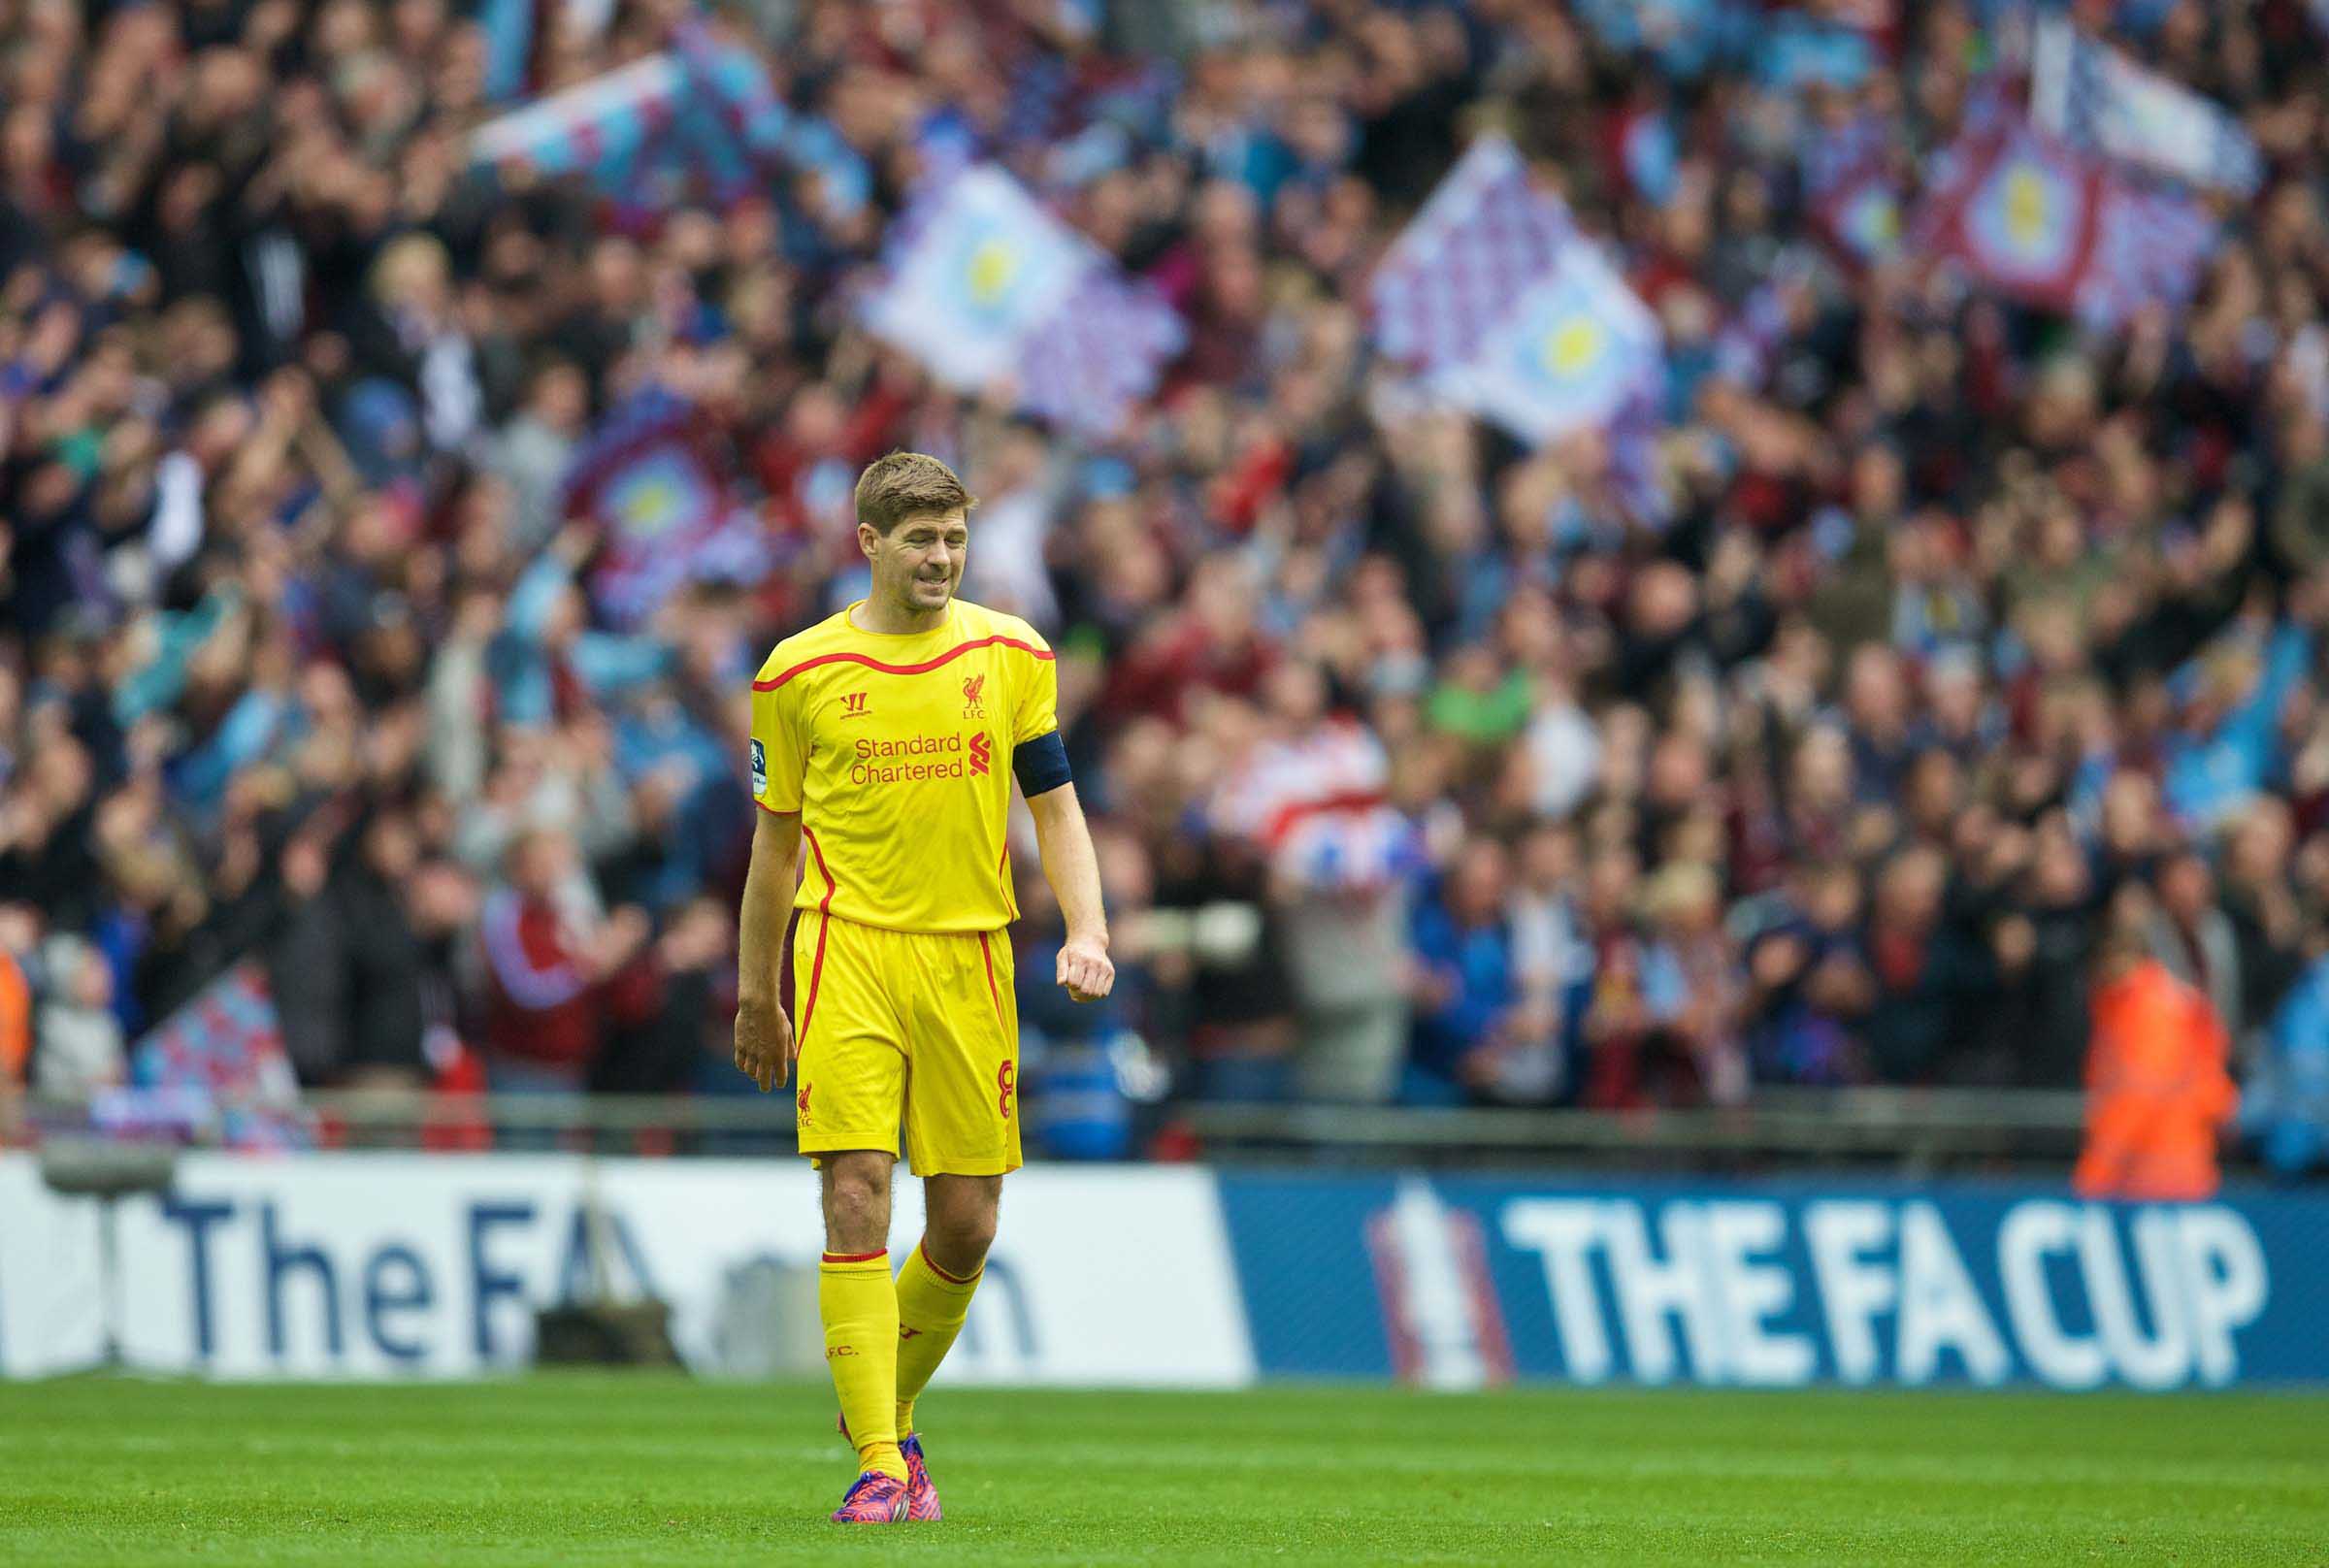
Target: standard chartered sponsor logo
[909, 760]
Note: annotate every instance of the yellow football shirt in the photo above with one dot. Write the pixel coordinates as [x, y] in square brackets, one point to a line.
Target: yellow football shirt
[897, 752]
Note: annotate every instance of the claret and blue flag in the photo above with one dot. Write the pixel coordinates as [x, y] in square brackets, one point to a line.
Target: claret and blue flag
[658, 485]
[699, 120]
[2043, 223]
[985, 287]
[2098, 100]
[1577, 350]
[1851, 187]
[1496, 305]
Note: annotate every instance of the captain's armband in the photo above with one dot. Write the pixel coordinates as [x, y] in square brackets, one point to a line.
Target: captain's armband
[1041, 764]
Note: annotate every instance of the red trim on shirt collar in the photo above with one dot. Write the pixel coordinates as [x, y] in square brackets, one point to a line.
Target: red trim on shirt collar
[871, 662]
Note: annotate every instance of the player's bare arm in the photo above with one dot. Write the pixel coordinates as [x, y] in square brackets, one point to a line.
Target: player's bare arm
[1073, 867]
[764, 1034]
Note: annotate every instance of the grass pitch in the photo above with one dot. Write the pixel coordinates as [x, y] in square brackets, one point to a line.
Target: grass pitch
[657, 1470]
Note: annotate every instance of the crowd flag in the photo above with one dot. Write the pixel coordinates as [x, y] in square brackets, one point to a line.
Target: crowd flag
[2050, 226]
[596, 127]
[654, 480]
[1849, 189]
[984, 286]
[1576, 349]
[1496, 305]
[699, 123]
[2096, 100]
[219, 1055]
[1450, 278]
[731, 83]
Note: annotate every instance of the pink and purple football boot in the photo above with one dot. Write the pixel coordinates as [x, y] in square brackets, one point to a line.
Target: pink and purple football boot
[874, 1499]
[922, 1498]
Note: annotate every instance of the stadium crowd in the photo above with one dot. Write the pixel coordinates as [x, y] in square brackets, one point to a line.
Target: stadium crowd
[1423, 767]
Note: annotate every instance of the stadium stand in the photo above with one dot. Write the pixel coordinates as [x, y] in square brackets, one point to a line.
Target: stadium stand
[396, 497]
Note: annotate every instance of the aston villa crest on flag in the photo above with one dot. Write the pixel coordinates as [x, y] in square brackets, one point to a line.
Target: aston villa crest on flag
[1848, 185]
[984, 286]
[1495, 304]
[2045, 224]
[658, 485]
[1574, 350]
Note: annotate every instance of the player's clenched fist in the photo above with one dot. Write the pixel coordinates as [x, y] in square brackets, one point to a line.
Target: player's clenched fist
[1085, 969]
[764, 1044]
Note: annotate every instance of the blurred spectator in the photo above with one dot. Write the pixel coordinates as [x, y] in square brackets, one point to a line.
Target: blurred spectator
[2158, 1094]
[2195, 939]
[662, 1037]
[531, 454]
[1220, 978]
[1551, 962]
[1075, 1057]
[16, 1009]
[80, 1043]
[1929, 974]
[385, 964]
[2285, 1104]
[1807, 980]
[1313, 793]
[2043, 948]
[1637, 990]
[548, 951]
[309, 954]
[1685, 905]
[1468, 994]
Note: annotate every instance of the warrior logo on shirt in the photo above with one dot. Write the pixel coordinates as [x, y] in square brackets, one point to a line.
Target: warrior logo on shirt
[975, 687]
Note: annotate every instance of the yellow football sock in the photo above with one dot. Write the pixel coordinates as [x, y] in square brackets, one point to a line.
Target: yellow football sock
[932, 1305]
[860, 1309]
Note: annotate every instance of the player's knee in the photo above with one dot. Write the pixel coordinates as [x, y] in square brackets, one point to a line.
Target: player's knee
[857, 1220]
[961, 1229]
[857, 1206]
[965, 1238]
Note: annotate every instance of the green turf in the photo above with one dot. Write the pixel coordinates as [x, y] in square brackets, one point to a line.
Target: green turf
[653, 1470]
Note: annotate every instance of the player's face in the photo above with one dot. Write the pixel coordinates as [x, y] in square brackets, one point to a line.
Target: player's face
[920, 564]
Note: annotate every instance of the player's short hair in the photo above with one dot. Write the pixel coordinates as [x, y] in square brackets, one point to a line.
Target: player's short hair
[909, 484]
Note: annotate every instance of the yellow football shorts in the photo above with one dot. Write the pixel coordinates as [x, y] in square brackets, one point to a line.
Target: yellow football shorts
[919, 1027]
